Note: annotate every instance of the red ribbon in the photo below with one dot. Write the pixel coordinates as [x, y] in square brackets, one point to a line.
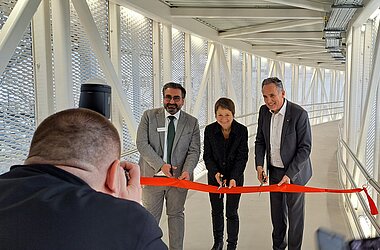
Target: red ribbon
[285, 188]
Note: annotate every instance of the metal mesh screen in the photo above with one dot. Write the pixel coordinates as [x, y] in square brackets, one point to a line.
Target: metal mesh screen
[136, 67]
[223, 76]
[178, 50]
[288, 81]
[17, 101]
[199, 54]
[84, 62]
[237, 78]
[371, 140]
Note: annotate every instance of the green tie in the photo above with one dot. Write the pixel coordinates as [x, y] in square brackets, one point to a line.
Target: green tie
[170, 139]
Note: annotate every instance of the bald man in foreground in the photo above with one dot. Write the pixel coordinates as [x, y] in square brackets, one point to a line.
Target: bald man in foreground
[72, 192]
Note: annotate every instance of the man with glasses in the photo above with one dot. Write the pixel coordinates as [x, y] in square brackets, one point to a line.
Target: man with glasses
[284, 136]
[72, 192]
[169, 144]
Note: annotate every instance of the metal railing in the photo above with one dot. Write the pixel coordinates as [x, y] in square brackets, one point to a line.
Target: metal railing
[347, 180]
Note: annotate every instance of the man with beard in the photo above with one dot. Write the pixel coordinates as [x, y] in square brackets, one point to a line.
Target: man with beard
[169, 144]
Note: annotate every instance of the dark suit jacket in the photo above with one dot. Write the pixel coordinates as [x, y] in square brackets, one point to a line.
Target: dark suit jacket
[230, 161]
[295, 142]
[45, 207]
[151, 141]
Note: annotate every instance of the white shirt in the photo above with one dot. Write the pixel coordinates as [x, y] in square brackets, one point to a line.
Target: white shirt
[167, 120]
[277, 120]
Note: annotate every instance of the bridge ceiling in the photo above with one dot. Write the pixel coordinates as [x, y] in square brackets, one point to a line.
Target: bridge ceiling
[290, 30]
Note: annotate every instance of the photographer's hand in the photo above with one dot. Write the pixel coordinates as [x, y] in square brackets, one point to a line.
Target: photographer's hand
[133, 190]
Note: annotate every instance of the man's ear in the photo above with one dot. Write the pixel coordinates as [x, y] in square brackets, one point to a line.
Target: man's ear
[112, 179]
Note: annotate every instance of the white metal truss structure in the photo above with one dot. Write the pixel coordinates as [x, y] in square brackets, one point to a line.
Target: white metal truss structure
[359, 142]
[54, 46]
[74, 42]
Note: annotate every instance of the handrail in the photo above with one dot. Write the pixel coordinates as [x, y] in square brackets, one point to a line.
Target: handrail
[370, 180]
[321, 103]
[324, 109]
[361, 200]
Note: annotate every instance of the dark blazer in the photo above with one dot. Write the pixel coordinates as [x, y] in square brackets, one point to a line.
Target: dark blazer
[230, 163]
[45, 207]
[295, 142]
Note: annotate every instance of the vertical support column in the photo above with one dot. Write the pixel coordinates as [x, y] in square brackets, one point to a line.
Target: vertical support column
[229, 72]
[217, 84]
[303, 84]
[188, 80]
[333, 93]
[354, 109]
[272, 68]
[167, 54]
[62, 54]
[115, 48]
[281, 70]
[376, 160]
[156, 65]
[244, 85]
[258, 84]
[249, 94]
[295, 83]
[43, 69]
[333, 86]
[210, 97]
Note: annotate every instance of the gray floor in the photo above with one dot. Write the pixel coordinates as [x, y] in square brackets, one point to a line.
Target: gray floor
[322, 210]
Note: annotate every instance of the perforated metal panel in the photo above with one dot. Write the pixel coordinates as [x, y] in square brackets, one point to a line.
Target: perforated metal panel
[84, 62]
[136, 66]
[287, 82]
[237, 78]
[371, 139]
[17, 101]
[199, 53]
[264, 68]
[223, 76]
[372, 128]
[178, 50]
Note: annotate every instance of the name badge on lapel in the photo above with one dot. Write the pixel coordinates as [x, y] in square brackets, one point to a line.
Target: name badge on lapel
[161, 129]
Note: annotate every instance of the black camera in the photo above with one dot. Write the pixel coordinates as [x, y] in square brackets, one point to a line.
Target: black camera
[96, 97]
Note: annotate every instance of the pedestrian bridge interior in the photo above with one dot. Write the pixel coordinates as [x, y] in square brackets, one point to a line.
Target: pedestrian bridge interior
[326, 52]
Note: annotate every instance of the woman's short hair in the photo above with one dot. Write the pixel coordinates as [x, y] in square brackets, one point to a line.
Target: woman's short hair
[225, 103]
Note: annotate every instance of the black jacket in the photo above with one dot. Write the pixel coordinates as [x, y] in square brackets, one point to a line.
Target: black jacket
[228, 157]
[44, 207]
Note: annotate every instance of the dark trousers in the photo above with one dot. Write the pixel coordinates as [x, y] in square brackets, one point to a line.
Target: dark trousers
[217, 213]
[286, 207]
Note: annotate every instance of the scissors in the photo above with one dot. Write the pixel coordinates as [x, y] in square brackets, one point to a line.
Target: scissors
[220, 185]
[264, 180]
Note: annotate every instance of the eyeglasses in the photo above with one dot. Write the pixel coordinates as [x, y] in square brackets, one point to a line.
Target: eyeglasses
[168, 98]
